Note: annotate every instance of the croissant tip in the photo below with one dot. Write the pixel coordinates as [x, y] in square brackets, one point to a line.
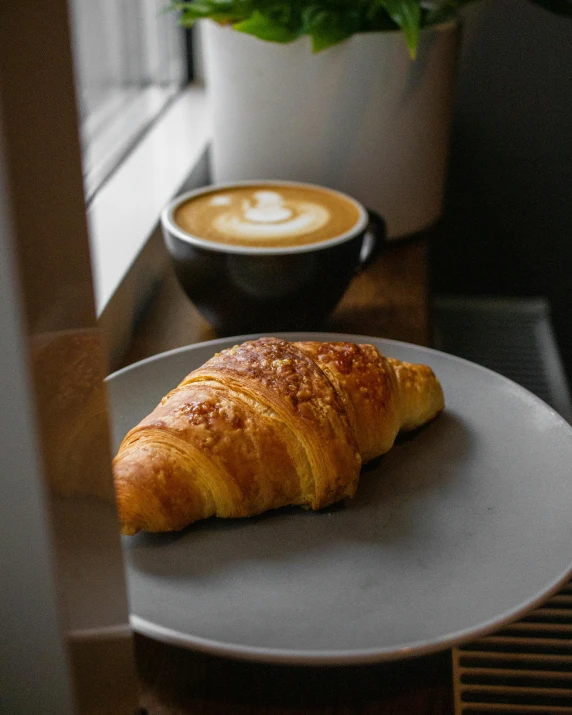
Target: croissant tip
[128, 530]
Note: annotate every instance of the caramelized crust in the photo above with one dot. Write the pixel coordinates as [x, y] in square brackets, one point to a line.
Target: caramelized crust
[267, 424]
[382, 396]
[367, 386]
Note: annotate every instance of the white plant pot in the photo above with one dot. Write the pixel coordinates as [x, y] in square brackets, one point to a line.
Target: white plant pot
[360, 117]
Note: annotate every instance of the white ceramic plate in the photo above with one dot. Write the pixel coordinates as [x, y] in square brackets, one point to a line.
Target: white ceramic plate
[460, 528]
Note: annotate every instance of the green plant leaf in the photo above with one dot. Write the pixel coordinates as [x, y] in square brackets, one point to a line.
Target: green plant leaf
[327, 27]
[375, 18]
[218, 10]
[406, 14]
[329, 22]
[323, 40]
[266, 28]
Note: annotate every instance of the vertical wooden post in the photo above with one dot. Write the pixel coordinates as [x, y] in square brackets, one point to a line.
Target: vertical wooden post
[67, 644]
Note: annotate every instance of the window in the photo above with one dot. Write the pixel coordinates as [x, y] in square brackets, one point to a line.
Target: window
[130, 58]
[144, 132]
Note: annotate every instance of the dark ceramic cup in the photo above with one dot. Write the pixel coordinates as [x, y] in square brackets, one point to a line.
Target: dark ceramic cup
[246, 289]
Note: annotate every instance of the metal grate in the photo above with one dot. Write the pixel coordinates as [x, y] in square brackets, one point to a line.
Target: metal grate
[527, 666]
[524, 668]
[513, 337]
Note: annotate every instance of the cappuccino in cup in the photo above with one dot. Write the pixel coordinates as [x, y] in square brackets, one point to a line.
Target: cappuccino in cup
[268, 215]
[262, 256]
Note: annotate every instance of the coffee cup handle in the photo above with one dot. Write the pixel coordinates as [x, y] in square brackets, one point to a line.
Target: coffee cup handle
[374, 240]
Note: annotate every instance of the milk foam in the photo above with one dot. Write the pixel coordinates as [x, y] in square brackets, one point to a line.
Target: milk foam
[269, 215]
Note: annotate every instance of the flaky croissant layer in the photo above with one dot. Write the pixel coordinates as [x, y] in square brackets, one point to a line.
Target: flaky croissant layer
[265, 424]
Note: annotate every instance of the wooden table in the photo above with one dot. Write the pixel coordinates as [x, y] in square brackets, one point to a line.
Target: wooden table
[388, 300]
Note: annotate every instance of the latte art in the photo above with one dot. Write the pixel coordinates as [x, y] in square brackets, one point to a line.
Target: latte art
[272, 215]
[270, 207]
[269, 216]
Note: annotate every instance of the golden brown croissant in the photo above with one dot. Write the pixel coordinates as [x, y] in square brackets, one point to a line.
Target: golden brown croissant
[267, 424]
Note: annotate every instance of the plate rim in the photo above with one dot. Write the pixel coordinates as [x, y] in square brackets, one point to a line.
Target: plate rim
[364, 656]
[340, 657]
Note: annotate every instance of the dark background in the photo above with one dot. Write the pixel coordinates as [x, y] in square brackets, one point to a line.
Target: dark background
[507, 226]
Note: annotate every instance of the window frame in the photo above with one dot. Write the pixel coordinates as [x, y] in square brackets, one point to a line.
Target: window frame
[125, 211]
[166, 157]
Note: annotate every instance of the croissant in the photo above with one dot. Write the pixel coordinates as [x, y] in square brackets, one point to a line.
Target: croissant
[266, 424]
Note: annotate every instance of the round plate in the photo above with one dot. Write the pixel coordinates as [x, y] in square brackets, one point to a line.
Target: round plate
[462, 527]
